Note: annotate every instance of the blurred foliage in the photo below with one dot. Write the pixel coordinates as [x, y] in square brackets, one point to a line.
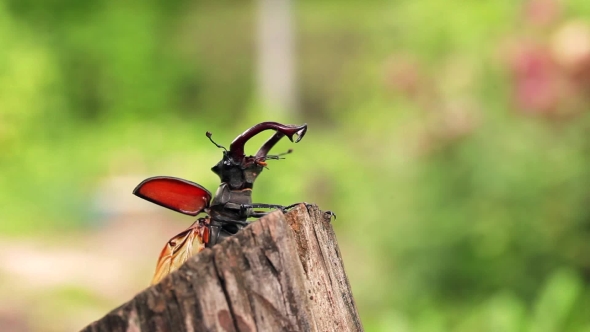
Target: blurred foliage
[451, 138]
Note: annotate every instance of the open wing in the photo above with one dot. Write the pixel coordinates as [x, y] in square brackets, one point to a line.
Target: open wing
[173, 193]
[180, 248]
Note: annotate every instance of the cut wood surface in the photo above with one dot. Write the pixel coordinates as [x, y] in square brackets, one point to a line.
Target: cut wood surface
[281, 273]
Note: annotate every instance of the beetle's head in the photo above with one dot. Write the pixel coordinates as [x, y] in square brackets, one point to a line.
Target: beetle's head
[238, 170]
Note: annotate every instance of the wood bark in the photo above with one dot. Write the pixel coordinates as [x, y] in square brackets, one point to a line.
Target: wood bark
[281, 273]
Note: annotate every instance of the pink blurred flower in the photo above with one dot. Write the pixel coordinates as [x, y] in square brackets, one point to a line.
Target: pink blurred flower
[536, 79]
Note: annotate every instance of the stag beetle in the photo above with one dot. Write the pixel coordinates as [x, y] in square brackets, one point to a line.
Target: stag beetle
[230, 207]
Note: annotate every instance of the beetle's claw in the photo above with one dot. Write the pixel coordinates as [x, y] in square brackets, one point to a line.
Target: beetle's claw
[329, 214]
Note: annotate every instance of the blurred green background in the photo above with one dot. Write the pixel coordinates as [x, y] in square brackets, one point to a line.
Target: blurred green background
[452, 138]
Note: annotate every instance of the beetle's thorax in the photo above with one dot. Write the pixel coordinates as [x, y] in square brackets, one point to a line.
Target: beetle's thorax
[240, 174]
[225, 195]
[235, 190]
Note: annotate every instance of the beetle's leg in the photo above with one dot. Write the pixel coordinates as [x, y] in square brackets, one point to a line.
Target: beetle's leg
[307, 206]
[261, 206]
[329, 214]
[214, 235]
[246, 209]
[288, 207]
[275, 206]
[258, 214]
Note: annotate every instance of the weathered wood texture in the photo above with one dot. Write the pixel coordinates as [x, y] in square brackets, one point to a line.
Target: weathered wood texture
[281, 273]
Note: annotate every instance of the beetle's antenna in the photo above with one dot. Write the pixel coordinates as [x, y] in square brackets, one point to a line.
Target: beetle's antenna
[261, 160]
[212, 141]
[278, 156]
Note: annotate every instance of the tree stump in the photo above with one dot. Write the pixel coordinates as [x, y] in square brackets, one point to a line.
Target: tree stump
[281, 273]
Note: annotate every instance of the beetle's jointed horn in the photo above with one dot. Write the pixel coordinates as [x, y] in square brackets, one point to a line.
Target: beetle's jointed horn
[236, 149]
